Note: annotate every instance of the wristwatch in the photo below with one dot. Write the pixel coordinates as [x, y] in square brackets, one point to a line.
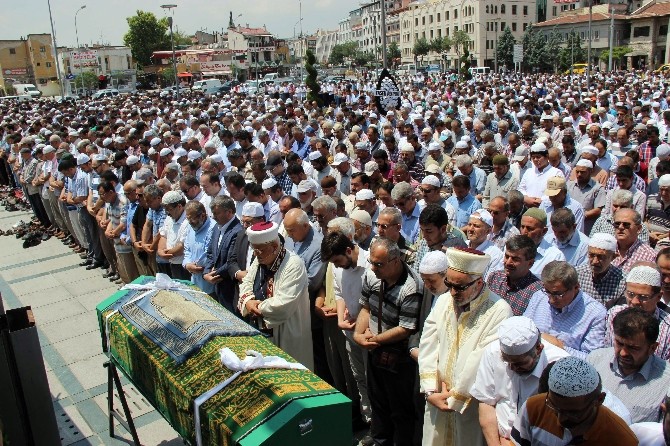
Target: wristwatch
[428, 393]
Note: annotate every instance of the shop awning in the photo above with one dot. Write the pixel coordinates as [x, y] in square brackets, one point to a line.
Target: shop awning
[184, 75]
[636, 53]
[216, 73]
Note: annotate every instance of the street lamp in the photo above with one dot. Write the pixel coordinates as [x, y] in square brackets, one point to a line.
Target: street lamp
[174, 56]
[588, 65]
[76, 33]
[301, 42]
[55, 50]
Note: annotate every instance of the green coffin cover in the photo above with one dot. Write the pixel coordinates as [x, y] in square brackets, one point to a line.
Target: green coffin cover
[260, 407]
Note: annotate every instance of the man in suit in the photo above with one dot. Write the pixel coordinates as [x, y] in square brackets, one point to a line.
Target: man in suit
[240, 255]
[303, 240]
[223, 237]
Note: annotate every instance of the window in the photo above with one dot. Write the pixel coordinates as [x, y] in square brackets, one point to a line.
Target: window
[513, 9]
[423, 20]
[502, 26]
[582, 35]
[554, 11]
[446, 32]
[438, 17]
[430, 19]
[455, 14]
[12, 51]
[487, 9]
[525, 25]
[502, 9]
[48, 64]
[525, 11]
[641, 31]
[38, 64]
[514, 26]
[596, 34]
[431, 34]
[487, 26]
[663, 30]
[439, 32]
[42, 81]
[495, 8]
[416, 22]
[446, 15]
[43, 49]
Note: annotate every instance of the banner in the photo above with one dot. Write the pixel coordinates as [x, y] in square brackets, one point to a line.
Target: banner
[214, 66]
[81, 59]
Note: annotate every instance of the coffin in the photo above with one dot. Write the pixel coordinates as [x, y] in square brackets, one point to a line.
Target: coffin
[260, 407]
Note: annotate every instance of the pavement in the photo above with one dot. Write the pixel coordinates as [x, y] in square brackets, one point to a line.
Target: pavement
[63, 297]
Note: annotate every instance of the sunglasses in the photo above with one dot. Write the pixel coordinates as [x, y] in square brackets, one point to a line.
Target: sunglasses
[385, 226]
[458, 288]
[625, 224]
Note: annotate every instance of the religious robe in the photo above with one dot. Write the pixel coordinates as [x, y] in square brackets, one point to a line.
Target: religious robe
[449, 351]
[287, 311]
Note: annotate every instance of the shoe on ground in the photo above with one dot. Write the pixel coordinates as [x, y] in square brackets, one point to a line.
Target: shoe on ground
[85, 263]
[114, 277]
[367, 441]
[94, 265]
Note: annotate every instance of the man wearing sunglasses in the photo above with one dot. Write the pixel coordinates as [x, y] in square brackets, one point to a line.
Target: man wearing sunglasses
[448, 369]
[630, 250]
[571, 412]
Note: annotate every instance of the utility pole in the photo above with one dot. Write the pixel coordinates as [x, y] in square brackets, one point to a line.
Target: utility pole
[303, 53]
[609, 62]
[55, 45]
[588, 64]
[174, 56]
[76, 33]
[383, 24]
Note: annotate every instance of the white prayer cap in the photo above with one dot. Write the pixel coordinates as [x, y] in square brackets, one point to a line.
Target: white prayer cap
[432, 168]
[585, 163]
[132, 159]
[431, 180]
[82, 158]
[466, 138]
[194, 155]
[253, 209]
[107, 141]
[165, 151]
[180, 152]
[370, 167]
[210, 145]
[147, 134]
[436, 146]
[262, 233]
[573, 377]
[461, 145]
[434, 262]
[468, 261]
[313, 156]
[538, 147]
[216, 158]
[269, 183]
[172, 197]
[407, 147]
[171, 166]
[155, 142]
[362, 145]
[664, 181]
[151, 151]
[365, 194]
[590, 150]
[546, 118]
[518, 335]
[483, 215]
[567, 120]
[662, 150]
[361, 216]
[603, 241]
[48, 149]
[645, 275]
[651, 123]
[306, 185]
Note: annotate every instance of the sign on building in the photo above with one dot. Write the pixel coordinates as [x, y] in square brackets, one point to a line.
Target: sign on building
[15, 71]
[83, 59]
[518, 53]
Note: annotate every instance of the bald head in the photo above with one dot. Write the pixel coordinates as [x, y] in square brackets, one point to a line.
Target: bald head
[297, 225]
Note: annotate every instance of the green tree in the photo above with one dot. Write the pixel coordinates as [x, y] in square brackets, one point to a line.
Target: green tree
[311, 81]
[180, 39]
[464, 65]
[534, 50]
[393, 53]
[552, 49]
[572, 52]
[361, 58]
[145, 35]
[618, 53]
[342, 51]
[460, 42]
[167, 76]
[505, 48]
[87, 80]
[421, 48]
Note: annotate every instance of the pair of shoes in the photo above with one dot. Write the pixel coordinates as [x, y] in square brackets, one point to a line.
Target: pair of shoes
[108, 274]
[119, 282]
[83, 255]
[46, 236]
[32, 239]
[94, 265]
[114, 277]
[367, 440]
[86, 262]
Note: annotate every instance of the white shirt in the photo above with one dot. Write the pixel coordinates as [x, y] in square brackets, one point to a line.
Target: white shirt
[349, 283]
[497, 256]
[174, 232]
[533, 183]
[497, 385]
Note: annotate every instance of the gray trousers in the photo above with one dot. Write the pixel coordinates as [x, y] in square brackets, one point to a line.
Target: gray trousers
[91, 231]
[77, 230]
[358, 358]
[54, 203]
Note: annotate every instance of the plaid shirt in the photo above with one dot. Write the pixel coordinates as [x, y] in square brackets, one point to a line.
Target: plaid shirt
[454, 240]
[663, 349]
[638, 252]
[647, 152]
[637, 181]
[506, 232]
[285, 182]
[518, 294]
[610, 286]
[416, 170]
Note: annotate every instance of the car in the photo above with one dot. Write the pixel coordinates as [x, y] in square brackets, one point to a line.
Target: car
[227, 86]
[665, 68]
[577, 68]
[105, 93]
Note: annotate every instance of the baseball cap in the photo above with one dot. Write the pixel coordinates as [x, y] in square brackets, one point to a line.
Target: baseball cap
[554, 186]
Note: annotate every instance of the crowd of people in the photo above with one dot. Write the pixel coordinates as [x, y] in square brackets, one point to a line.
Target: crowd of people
[487, 264]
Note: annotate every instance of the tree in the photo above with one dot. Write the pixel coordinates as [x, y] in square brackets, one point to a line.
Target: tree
[311, 82]
[618, 53]
[393, 52]
[505, 48]
[168, 76]
[180, 39]
[87, 80]
[552, 49]
[421, 48]
[145, 35]
[460, 42]
[464, 65]
[361, 58]
[534, 50]
[342, 51]
[572, 53]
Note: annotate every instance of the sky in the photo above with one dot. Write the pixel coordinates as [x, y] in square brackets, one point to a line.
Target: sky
[105, 21]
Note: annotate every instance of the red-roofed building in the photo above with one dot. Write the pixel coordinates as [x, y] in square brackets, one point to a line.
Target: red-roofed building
[256, 48]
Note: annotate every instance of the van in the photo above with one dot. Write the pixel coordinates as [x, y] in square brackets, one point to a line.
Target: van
[270, 76]
[479, 70]
[433, 69]
[207, 86]
[29, 89]
[405, 69]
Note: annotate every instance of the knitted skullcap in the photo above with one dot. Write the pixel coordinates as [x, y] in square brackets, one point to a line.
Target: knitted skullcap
[434, 262]
[573, 377]
[645, 275]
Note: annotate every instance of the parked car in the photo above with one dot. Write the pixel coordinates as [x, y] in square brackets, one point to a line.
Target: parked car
[227, 86]
[106, 93]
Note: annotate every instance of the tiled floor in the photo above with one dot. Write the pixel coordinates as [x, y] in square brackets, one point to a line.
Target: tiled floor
[63, 297]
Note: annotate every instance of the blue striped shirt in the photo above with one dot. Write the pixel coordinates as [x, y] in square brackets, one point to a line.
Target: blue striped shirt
[580, 325]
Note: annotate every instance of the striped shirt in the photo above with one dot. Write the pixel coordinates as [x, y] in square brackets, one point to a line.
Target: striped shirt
[663, 349]
[401, 302]
[642, 392]
[580, 325]
[517, 294]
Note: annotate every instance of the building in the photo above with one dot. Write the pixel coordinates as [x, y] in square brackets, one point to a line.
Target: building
[30, 60]
[254, 49]
[482, 21]
[325, 41]
[645, 31]
[113, 65]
